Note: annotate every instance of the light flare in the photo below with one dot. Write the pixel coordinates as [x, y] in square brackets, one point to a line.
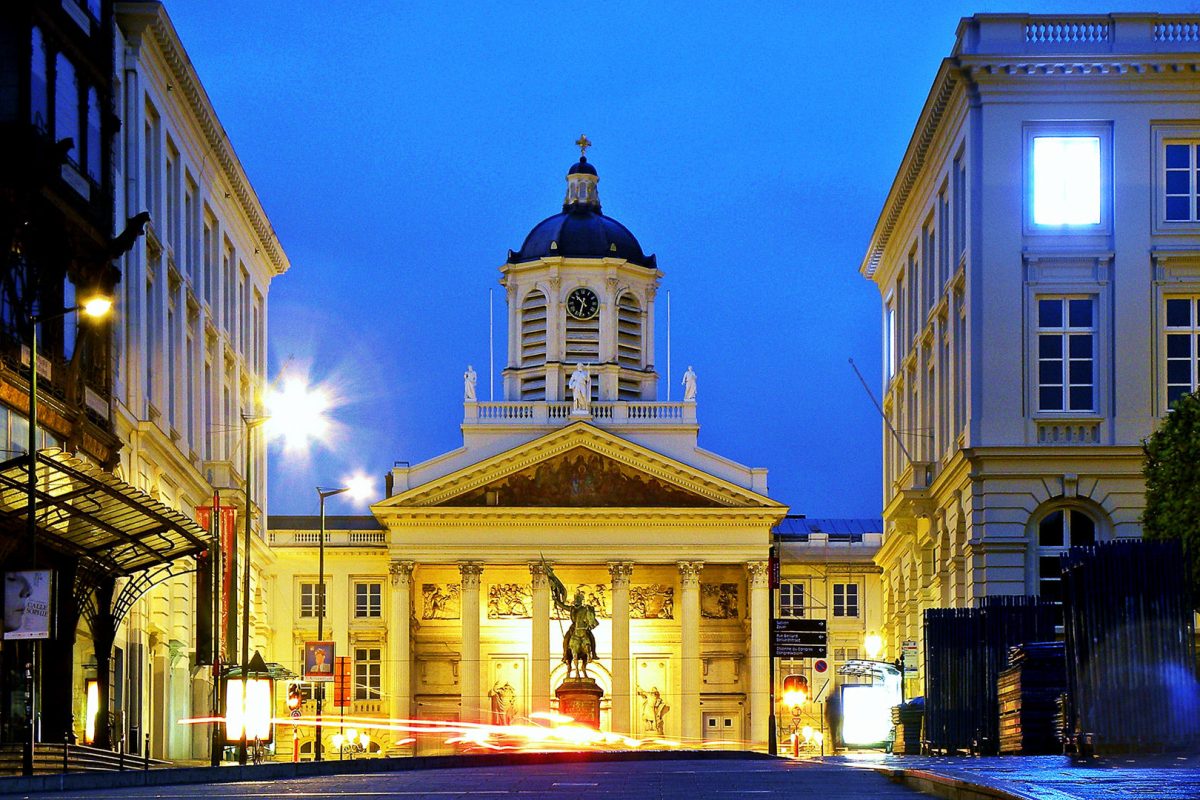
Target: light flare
[299, 413]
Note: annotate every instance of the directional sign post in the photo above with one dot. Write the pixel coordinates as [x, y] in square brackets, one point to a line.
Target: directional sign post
[799, 638]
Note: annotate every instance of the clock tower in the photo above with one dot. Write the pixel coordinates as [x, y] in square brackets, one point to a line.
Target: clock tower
[580, 291]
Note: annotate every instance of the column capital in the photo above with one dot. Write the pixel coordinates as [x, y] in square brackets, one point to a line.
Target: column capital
[538, 574]
[621, 572]
[689, 572]
[758, 572]
[470, 571]
[401, 572]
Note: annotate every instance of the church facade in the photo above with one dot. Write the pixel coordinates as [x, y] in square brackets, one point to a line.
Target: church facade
[442, 597]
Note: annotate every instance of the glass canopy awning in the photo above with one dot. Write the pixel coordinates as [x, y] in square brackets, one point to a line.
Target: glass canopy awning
[87, 512]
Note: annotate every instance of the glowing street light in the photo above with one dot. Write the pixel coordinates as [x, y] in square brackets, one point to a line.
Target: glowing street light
[873, 645]
[359, 487]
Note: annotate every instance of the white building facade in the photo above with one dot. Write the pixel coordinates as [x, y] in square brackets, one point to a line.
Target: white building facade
[1038, 257]
[190, 357]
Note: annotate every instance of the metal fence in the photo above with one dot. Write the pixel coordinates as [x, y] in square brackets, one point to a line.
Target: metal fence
[1129, 642]
[965, 650]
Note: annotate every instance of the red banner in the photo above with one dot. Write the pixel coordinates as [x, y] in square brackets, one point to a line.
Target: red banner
[342, 683]
[225, 533]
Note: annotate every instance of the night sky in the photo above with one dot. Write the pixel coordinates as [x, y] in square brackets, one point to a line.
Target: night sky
[400, 150]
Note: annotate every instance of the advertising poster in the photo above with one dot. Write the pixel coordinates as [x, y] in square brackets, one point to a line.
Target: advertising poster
[318, 661]
[27, 605]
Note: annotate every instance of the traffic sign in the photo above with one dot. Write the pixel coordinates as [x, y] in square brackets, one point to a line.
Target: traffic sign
[799, 638]
[820, 665]
[295, 713]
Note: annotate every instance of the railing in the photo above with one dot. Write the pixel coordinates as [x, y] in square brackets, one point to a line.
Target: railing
[1177, 31]
[51, 758]
[1132, 34]
[1072, 32]
[1068, 432]
[332, 538]
[540, 412]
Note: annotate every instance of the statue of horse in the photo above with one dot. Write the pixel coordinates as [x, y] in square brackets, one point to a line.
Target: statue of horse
[579, 643]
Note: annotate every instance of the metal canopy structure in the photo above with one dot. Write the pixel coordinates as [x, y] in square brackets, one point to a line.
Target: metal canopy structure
[87, 512]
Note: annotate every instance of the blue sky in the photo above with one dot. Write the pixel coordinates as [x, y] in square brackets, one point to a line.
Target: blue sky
[400, 149]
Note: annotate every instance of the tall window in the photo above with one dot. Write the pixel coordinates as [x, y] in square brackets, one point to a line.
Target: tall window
[791, 599]
[889, 337]
[368, 599]
[960, 210]
[66, 106]
[1183, 346]
[629, 333]
[1059, 530]
[1182, 181]
[1066, 180]
[93, 135]
[845, 599]
[368, 673]
[311, 599]
[1066, 343]
[39, 96]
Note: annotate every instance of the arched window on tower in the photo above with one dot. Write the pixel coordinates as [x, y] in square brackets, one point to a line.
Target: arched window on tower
[1057, 530]
[533, 344]
[582, 338]
[630, 345]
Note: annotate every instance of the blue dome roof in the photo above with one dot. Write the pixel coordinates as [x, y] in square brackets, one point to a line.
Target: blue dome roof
[581, 230]
[581, 233]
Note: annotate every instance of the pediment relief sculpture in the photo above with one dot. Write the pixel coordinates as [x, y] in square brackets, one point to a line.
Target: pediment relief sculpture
[582, 478]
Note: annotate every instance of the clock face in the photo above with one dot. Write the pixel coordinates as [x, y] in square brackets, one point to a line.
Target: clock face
[583, 304]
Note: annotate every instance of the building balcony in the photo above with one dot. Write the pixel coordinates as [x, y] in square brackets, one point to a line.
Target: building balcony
[333, 538]
[602, 413]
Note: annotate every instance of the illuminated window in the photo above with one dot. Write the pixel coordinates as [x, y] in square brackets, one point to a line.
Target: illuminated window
[1182, 331]
[1181, 181]
[309, 595]
[368, 673]
[791, 599]
[368, 599]
[1066, 180]
[889, 337]
[1066, 335]
[845, 599]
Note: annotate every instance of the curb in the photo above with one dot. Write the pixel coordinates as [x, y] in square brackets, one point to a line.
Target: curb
[364, 766]
[949, 788]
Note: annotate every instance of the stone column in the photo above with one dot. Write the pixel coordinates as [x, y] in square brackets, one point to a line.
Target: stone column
[400, 636]
[689, 623]
[539, 698]
[468, 668]
[621, 699]
[760, 652]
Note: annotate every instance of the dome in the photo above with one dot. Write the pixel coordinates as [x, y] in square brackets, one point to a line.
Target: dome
[581, 230]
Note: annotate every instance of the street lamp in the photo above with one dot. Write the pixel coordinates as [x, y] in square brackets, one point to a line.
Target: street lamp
[251, 423]
[96, 307]
[358, 487]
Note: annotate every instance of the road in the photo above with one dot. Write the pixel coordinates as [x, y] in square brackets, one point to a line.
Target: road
[655, 780]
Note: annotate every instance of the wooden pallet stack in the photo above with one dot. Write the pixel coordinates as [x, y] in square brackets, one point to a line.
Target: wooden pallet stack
[1028, 692]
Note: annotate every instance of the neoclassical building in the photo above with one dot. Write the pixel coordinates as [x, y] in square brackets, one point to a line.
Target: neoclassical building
[1038, 260]
[441, 597]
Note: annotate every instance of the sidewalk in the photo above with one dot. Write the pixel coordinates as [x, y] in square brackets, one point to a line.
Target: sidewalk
[1139, 777]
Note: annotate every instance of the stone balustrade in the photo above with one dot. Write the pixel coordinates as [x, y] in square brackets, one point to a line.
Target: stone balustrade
[540, 412]
[332, 538]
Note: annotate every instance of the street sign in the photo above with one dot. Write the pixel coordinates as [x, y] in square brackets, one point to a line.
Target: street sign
[799, 638]
[820, 665]
[295, 713]
[341, 682]
[909, 653]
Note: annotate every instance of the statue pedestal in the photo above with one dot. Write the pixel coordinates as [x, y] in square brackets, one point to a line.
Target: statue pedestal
[579, 698]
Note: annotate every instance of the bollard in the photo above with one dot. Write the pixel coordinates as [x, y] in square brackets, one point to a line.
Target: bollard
[146, 754]
[66, 751]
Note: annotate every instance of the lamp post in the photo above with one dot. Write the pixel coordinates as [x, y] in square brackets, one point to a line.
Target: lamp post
[251, 423]
[322, 494]
[96, 307]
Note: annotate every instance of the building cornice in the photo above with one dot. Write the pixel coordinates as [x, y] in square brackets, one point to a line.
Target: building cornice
[140, 17]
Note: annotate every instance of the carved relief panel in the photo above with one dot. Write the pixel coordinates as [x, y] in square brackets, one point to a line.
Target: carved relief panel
[509, 601]
[595, 595]
[506, 688]
[652, 601]
[441, 601]
[653, 691]
[719, 600]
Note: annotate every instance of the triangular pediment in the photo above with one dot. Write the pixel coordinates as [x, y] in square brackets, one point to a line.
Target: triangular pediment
[580, 466]
[582, 478]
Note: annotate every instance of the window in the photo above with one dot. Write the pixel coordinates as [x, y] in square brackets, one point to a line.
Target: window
[1066, 349]
[960, 209]
[39, 98]
[791, 599]
[368, 673]
[845, 599]
[66, 106]
[1058, 531]
[1066, 180]
[368, 599]
[310, 594]
[1181, 181]
[1182, 346]
[889, 337]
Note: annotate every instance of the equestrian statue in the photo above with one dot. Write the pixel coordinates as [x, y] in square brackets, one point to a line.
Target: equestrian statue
[579, 643]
